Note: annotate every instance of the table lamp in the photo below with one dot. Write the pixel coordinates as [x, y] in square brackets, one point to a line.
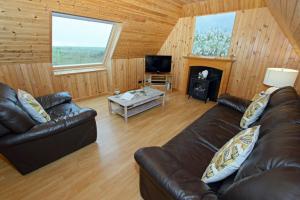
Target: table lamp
[280, 77]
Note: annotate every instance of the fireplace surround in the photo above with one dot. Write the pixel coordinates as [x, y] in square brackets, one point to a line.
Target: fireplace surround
[222, 64]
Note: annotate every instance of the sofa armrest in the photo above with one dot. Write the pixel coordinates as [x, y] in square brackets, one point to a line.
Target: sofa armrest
[233, 102]
[169, 174]
[48, 129]
[52, 100]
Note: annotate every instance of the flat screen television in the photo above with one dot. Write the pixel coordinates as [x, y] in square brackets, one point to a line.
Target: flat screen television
[158, 64]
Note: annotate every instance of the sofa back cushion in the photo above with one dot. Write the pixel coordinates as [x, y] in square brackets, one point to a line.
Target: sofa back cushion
[288, 112]
[283, 107]
[277, 152]
[3, 130]
[12, 116]
[275, 184]
[278, 145]
[278, 149]
[276, 157]
[282, 95]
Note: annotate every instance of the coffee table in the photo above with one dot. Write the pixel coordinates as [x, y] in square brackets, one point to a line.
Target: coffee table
[144, 99]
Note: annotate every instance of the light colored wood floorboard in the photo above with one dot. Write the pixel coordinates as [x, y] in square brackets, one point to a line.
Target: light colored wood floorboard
[106, 169]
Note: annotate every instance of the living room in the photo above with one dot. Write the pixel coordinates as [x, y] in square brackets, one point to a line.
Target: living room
[160, 99]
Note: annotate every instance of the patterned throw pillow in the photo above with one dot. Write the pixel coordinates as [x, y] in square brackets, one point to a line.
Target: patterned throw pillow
[258, 96]
[254, 111]
[261, 94]
[32, 107]
[231, 156]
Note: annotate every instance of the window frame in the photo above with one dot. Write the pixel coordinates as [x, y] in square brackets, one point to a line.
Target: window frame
[114, 36]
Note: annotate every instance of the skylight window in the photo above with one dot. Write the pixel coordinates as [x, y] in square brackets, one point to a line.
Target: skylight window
[79, 40]
[213, 34]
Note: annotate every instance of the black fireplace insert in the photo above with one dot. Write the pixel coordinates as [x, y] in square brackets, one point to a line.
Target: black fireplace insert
[204, 89]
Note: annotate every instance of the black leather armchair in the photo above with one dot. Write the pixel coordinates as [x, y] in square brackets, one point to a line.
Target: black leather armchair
[28, 145]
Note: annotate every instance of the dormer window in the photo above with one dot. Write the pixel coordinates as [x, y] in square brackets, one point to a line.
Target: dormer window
[80, 40]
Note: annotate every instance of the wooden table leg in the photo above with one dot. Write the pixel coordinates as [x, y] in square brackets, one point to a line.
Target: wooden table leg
[126, 113]
[109, 107]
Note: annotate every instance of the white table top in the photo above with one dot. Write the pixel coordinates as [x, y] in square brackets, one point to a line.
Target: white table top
[142, 95]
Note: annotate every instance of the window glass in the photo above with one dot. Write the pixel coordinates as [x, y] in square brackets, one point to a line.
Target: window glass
[79, 40]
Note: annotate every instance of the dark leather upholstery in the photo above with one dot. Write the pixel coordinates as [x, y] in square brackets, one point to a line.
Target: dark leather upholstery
[29, 146]
[12, 113]
[272, 171]
[3, 130]
[50, 101]
[233, 102]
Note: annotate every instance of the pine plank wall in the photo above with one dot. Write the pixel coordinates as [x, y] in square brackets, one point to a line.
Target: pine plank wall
[25, 48]
[257, 43]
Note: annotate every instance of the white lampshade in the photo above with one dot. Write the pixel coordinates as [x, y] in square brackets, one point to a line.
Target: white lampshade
[280, 77]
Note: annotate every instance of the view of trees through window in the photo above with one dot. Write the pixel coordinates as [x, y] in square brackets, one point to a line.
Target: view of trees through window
[78, 40]
[213, 34]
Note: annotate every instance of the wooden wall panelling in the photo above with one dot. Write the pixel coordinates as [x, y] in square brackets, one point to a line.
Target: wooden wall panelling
[119, 74]
[219, 6]
[179, 44]
[287, 14]
[39, 80]
[257, 43]
[126, 73]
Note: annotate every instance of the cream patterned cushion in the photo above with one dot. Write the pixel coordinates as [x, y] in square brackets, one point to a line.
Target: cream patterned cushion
[254, 111]
[231, 156]
[268, 91]
[258, 96]
[32, 107]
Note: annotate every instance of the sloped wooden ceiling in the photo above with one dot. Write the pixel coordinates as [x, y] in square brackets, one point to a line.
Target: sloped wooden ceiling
[219, 6]
[287, 14]
[25, 30]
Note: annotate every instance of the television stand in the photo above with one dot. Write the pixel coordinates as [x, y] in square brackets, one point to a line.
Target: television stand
[159, 79]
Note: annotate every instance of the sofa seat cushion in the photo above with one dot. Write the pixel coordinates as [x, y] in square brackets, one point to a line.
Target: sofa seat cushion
[204, 138]
[63, 110]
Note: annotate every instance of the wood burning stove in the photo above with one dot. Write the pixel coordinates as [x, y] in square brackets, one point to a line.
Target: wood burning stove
[204, 89]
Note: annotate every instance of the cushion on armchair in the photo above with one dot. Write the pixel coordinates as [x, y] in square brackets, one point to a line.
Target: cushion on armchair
[32, 107]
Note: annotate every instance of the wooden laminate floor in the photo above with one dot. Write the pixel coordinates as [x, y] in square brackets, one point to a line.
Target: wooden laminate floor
[104, 170]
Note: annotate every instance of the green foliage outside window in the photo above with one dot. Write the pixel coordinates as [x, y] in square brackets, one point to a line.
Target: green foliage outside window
[213, 43]
[77, 55]
[213, 35]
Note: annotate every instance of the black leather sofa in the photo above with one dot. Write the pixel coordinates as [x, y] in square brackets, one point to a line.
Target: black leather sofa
[271, 172]
[28, 145]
